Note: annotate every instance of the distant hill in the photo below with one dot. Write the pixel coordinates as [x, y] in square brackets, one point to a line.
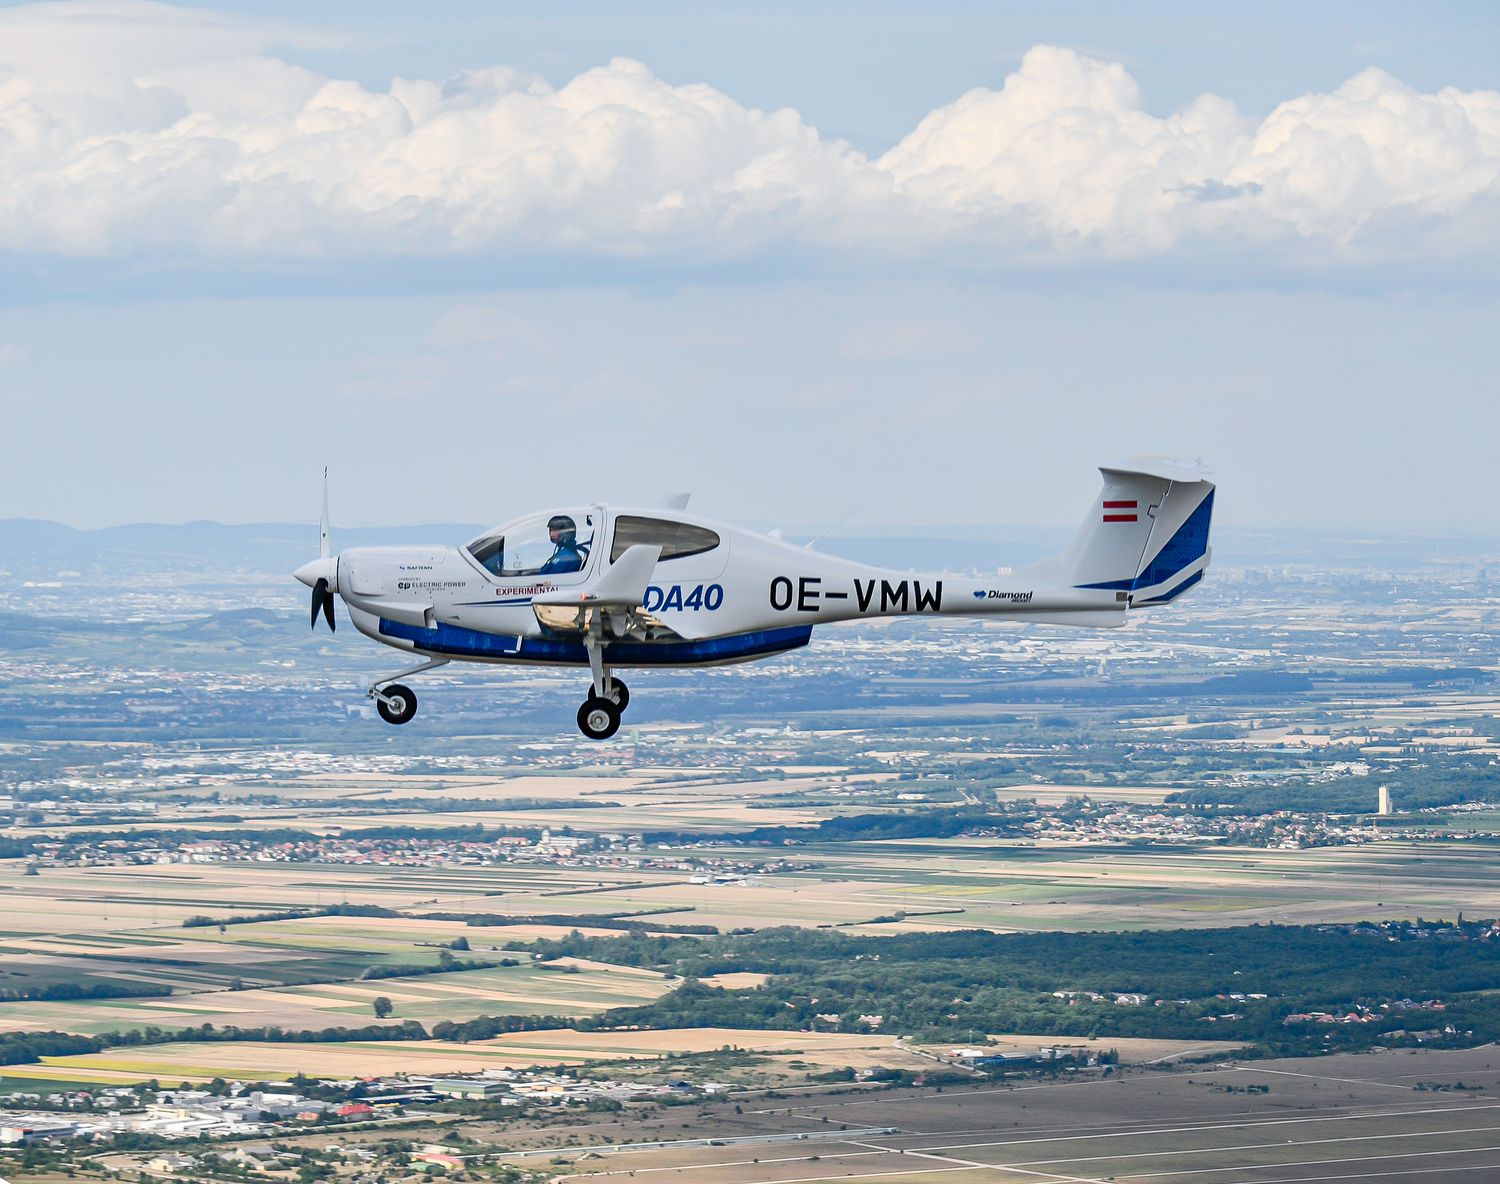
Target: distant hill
[28, 546]
[273, 546]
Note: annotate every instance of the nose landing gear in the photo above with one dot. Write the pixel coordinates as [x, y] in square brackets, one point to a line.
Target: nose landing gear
[396, 703]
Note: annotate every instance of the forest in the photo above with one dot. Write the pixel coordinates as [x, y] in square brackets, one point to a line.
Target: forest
[1238, 983]
[906, 824]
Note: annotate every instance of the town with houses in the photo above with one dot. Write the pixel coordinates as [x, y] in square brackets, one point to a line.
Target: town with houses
[1080, 821]
[238, 1111]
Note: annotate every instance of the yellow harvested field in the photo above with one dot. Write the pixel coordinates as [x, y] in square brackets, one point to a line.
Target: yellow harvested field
[566, 987]
[111, 899]
[399, 928]
[49, 1072]
[737, 980]
[190, 1062]
[1132, 1051]
[1060, 793]
[762, 903]
[561, 788]
[594, 1045]
[711, 797]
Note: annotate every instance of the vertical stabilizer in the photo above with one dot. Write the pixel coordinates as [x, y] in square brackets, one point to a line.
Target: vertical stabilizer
[1146, 536]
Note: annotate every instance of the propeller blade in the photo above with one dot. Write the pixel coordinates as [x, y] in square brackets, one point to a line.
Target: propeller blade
[323, 550]
[328, 610]
[320, 597]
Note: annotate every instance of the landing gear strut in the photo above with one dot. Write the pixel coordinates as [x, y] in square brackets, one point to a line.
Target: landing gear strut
[618, 694]
[396, 703]
[599, 717]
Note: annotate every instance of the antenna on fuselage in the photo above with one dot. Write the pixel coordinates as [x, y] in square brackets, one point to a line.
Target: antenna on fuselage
[830, 530]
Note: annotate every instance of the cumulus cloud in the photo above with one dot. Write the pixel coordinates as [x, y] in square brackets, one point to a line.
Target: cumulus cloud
[131, 129]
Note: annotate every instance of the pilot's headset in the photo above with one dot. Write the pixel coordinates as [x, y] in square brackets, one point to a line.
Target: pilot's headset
[564, 526]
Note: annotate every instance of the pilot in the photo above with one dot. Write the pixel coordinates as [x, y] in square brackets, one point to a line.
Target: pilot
[567, 555]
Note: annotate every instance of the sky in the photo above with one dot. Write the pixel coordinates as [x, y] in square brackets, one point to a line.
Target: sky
[909, 263]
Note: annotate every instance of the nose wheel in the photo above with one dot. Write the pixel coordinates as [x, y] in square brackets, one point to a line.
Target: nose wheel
[599, 717]
[396, 704]
[395, 701]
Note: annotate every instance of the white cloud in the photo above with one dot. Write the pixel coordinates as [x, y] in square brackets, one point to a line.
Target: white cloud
[137, 129]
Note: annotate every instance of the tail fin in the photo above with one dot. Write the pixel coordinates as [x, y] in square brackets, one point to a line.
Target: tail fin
[1146, 536]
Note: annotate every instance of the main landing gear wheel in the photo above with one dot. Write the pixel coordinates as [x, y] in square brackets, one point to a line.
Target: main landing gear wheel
[598, 719]
[398, 705]
[618, 694]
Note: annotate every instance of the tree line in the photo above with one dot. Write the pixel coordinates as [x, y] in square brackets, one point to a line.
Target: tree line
[920, 824]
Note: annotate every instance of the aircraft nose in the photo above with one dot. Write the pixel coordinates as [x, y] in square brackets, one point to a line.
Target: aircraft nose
[315, 569]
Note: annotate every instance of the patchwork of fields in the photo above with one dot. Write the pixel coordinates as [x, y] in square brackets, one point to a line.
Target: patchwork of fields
[122, 926]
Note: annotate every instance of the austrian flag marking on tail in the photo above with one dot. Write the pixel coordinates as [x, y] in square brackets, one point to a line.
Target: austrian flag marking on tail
[1116, 511]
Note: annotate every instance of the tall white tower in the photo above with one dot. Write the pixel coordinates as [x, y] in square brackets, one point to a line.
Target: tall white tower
[1385, 799]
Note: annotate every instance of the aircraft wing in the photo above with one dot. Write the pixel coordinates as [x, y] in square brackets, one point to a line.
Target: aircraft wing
[407, 612]
[623, 586]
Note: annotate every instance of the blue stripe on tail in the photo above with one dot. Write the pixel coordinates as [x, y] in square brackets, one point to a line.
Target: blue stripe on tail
[1183, 549]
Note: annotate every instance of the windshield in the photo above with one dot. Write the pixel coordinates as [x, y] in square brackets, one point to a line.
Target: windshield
[548, 544]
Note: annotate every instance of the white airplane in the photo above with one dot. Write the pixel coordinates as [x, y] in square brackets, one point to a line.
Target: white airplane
[608, 587]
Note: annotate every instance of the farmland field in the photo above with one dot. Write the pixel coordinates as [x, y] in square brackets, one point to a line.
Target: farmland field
[199, 1061]
[564, 988]
[122, 927]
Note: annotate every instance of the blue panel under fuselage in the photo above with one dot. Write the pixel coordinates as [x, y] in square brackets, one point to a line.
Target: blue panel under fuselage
[460, 642]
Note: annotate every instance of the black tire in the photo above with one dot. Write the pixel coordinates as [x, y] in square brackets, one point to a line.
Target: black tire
[619, 694]
[399, 704]
[598, 719]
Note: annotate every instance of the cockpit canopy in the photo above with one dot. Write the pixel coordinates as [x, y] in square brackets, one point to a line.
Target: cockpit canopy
[548, 544]
[560, 542]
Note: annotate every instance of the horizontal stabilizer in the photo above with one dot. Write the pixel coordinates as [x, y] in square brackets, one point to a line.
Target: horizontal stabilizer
[1096, 618]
